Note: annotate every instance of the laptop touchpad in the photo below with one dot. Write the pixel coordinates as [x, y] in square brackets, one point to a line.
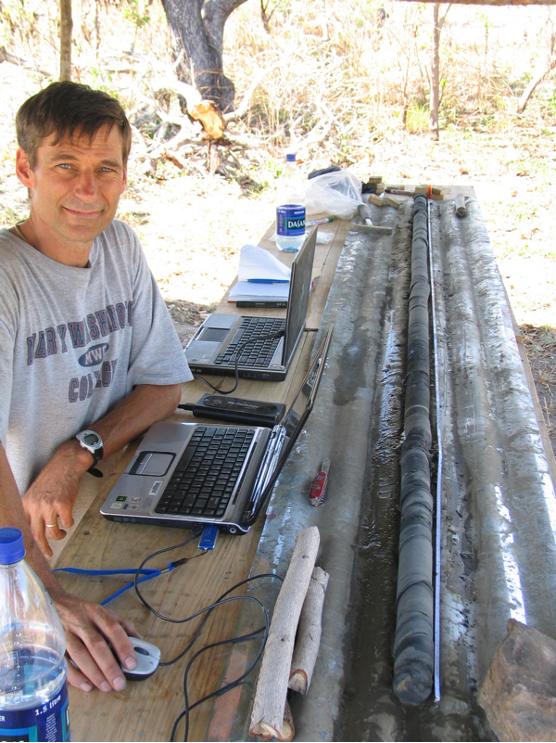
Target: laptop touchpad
[152, 463]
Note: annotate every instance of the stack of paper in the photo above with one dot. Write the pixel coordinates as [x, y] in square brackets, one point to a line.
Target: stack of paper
[262, 278]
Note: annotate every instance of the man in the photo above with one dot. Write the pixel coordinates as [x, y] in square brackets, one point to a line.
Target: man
[89, 357]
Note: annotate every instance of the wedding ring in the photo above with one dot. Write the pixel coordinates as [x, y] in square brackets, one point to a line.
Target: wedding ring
[52, 525]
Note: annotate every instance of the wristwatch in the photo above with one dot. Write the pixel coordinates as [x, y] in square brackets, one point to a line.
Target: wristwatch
[91, 441]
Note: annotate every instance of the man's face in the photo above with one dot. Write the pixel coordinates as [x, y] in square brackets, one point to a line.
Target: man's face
[75, 187]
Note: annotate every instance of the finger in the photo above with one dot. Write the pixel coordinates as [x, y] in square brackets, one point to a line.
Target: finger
[54, 531]
[37, 530]
[129, 628]
[128, 625]
[65, 515]
[116, 632]
[96, 662]
[76, 678]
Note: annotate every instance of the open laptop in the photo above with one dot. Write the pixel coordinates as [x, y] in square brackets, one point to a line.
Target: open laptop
[193, 474]
[226, 341]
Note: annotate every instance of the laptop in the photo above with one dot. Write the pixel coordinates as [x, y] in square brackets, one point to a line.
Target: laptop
[226, 343]
[193, 474]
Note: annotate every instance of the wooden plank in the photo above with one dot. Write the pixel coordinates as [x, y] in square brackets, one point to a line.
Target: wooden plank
[134, 714]
[96, 543]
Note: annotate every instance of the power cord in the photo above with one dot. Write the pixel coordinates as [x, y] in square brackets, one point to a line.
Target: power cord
[240, 348]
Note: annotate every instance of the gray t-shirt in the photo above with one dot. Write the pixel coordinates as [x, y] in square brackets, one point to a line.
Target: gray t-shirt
[75, 341]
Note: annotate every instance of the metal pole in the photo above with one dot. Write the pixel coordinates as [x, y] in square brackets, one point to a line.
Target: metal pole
[438, 504]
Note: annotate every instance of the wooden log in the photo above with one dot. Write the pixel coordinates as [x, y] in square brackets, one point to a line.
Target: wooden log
[309, 633]
[288, 728]
[268, 714]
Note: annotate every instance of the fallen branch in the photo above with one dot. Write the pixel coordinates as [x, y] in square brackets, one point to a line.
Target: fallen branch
[246, 100]
[309, 633]
[537, 79]
[7, 57]
[268, 715]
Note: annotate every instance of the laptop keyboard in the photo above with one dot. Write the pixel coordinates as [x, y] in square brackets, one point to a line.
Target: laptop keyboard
[256, 354]
[204, 480]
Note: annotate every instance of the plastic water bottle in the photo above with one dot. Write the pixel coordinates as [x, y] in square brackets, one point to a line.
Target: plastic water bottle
[33, 670]
[290, 212]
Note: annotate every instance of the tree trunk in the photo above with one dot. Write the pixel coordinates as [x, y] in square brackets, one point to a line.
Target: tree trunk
[435, 81]
[197, 28]
[66, 26]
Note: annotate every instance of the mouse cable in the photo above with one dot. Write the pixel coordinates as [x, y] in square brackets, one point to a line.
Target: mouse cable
[243, 638]
[227, 687]
[220, 601]
[207, 611]
[149, 573]
[241, 346]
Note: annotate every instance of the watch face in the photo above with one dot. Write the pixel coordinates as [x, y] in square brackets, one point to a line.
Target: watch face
[90, 440]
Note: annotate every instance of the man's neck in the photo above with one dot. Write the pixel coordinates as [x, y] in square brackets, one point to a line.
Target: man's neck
[53, 246]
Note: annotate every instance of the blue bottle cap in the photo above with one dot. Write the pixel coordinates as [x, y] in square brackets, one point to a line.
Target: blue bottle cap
[11, 545]
[290, 158]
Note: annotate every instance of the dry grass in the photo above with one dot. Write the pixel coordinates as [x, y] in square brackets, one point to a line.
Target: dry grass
[335, 80]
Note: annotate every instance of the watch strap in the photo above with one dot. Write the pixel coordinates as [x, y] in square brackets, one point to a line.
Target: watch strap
[97, 455]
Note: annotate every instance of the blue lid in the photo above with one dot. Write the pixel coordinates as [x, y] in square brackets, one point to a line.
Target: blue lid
[11, 545]
[290, 158]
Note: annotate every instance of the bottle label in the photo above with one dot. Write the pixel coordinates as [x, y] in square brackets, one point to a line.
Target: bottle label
[49, 722]
[290, 220]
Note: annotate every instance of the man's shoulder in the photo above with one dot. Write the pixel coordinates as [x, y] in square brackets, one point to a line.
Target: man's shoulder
[119, 242]
[11, 259]
[7, 239]
[118, 231]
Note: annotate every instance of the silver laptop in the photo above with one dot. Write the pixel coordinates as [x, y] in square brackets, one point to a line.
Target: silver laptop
[258, 347]
[193, 474]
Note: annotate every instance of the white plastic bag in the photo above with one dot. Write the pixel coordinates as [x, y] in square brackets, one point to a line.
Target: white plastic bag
[337, 193]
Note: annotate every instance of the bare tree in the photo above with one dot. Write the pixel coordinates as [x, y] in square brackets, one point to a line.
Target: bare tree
[435, 78]
[66, 26]
[197, 28]
[543, 69]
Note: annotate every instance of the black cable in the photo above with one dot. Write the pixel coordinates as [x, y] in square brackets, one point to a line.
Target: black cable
[241, 346]
[224, 689]
[207, 611]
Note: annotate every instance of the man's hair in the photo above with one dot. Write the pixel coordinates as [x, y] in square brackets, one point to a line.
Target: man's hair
[67, 109]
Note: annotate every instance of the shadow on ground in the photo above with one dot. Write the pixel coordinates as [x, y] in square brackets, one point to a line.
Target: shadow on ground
[186, 317]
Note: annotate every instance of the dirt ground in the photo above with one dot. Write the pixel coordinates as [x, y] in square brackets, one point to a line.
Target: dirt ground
[192, 225]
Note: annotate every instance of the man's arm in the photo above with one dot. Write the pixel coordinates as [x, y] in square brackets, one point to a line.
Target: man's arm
[52, 494]
[86, 625]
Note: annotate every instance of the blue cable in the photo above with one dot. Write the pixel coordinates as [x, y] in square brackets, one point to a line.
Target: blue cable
[149, 573]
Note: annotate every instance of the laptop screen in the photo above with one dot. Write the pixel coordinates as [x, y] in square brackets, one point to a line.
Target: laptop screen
[300, 288]
[297, 416]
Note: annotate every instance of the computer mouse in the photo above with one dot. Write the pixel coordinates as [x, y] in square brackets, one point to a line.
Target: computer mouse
[148, 658]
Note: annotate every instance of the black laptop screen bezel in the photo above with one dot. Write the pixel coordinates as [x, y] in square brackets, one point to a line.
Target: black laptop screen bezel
[317, 365]
[298, 299]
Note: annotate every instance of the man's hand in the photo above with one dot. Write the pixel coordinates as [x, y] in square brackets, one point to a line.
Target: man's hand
[51, 496]
[88, 627]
